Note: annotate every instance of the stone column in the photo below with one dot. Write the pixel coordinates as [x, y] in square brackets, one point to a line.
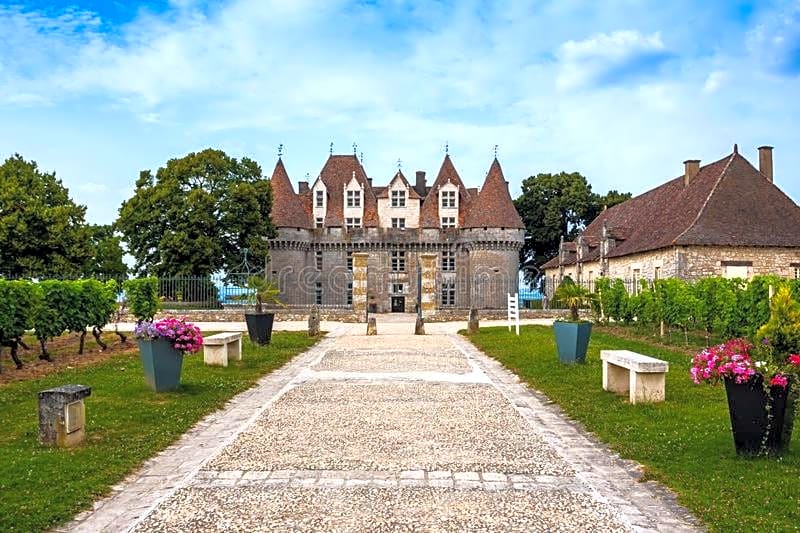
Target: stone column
[427, 262]
[62, 415]
[360, 285]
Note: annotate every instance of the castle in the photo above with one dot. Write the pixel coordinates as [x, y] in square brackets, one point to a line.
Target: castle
[464, 241]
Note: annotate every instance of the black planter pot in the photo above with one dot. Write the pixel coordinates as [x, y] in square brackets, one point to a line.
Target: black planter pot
[259, 327]
[747, 403]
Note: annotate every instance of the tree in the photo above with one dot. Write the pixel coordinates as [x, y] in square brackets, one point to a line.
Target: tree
[42, 231]
[197, 214]
[551, 205]
[107, 254]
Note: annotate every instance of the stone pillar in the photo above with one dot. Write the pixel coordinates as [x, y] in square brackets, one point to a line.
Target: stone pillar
[360, 285]
[473, 325]
[427, 262]
[62, 415]
[372, 326]
[313, 322]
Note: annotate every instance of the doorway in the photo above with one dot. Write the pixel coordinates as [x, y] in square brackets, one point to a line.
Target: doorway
[398, 304]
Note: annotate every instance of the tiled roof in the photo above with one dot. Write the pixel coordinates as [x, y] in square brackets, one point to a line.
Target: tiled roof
[337, 172]
[494, 207]
[728, 203]
[288, 210]
[429, 212]
[383, 192]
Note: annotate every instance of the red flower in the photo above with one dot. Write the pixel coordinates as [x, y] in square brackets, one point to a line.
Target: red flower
[779, 380]
[794, 359]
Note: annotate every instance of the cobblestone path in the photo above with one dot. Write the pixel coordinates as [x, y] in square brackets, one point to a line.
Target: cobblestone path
[387, 433]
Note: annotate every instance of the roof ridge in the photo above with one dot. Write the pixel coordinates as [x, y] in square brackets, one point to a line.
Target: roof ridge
[708, 198]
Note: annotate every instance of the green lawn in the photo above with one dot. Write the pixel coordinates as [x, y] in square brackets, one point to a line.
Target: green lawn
[685, 442]
[126, 424]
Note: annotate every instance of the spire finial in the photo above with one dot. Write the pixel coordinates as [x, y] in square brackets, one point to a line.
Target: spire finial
[362, 158]
[735, 148]
[331, 147]
[355, 149]
[495, 151]
[399, 164]
[446, 148]
[280, 150]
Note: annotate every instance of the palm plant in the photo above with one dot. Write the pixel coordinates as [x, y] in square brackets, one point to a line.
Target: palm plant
[263, 291]
[574, 296]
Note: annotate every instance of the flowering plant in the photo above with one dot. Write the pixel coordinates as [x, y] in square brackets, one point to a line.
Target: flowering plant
[184, 336]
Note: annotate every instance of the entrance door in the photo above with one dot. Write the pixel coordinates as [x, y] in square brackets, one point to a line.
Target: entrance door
[398, 304]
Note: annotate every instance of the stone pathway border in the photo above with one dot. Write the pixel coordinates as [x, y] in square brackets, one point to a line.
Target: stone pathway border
[161, 476]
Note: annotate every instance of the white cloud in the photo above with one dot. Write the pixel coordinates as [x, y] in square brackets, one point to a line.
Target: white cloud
[714, 81]
[607, 58]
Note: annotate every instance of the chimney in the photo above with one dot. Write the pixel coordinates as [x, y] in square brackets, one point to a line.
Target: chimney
[691, 168]
[765, 161]
[303, 187]
[420, 186]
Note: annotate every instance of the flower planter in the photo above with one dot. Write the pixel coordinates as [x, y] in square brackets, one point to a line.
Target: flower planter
[572, 340]
[753, 433]
[259, 327]
[162, 364]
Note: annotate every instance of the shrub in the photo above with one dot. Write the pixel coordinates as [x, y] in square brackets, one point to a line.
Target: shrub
[142, 297]
[17, 298]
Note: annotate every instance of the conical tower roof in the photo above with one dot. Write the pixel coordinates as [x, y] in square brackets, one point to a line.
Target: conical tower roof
[494, 207]
[288, 210]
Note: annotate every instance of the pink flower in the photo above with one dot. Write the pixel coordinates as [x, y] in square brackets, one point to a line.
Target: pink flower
[779, 380]
[794, 359]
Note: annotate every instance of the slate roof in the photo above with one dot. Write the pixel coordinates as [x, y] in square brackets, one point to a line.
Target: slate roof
[429, 212]
[288, 210]
[729, 203]
[337, 172]
[494, 207]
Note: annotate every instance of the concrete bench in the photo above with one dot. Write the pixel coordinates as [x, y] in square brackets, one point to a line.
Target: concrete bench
[219, 348]
[643, 378]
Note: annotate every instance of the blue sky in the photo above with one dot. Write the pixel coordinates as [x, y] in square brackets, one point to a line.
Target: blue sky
[622, 91]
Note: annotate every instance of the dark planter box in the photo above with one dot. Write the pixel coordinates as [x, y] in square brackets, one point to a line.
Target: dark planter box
[259, 327]
[572, 340]
[747, 403]
[162, 364]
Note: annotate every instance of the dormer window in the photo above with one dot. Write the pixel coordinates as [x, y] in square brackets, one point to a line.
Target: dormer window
[320, 199]
[398, 198]
[448, 222]
[353, 198]
[447, 199]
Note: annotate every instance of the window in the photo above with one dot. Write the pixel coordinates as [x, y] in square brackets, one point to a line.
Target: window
[448, 293]
[398, 198]
[448, 222]
[399, 223]
[448, 261]
[320, 222]
[796, 272]
[320, 199]
[318, 260]
[398, 288]
[318, 293]
[350, 261]
[736, 269]
[349, 295]
[353, 222]
[353, 198]
[656, 273]
[398, 260]
[637, 274]
[448, 199]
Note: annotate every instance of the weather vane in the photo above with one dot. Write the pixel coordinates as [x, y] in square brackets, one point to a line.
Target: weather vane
[331, 147]
[355, 148]
[280, 150]
[362, 158]
[399, 164]
[495, 151]
[446, 148]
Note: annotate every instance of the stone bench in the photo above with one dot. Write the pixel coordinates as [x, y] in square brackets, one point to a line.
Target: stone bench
[219, 348]
[642, 377]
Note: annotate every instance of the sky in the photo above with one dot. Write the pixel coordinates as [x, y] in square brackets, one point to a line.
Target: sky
[622, 91]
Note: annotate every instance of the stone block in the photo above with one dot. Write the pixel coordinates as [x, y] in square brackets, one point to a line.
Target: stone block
[419, 327]
[220, 348]
[372, 327]
[473, 324]
[313, 322]
[62, 415]
[641, 377]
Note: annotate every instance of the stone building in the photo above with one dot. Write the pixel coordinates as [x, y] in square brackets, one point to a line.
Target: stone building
[726, 218]
[468, 238]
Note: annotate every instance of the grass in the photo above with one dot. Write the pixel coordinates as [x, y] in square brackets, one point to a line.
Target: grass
[684, 443]
[127, 423]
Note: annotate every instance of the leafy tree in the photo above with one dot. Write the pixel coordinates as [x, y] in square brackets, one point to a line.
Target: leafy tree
[556, 205]
[106, 261]
[197, 214]
[42, 231]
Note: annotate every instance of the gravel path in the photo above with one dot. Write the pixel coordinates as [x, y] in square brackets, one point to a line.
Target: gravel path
[387, 433]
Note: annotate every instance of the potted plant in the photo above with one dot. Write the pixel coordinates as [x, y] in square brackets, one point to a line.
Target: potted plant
[162, 345]
[572, 335]
[259, 323]
[761, 379]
